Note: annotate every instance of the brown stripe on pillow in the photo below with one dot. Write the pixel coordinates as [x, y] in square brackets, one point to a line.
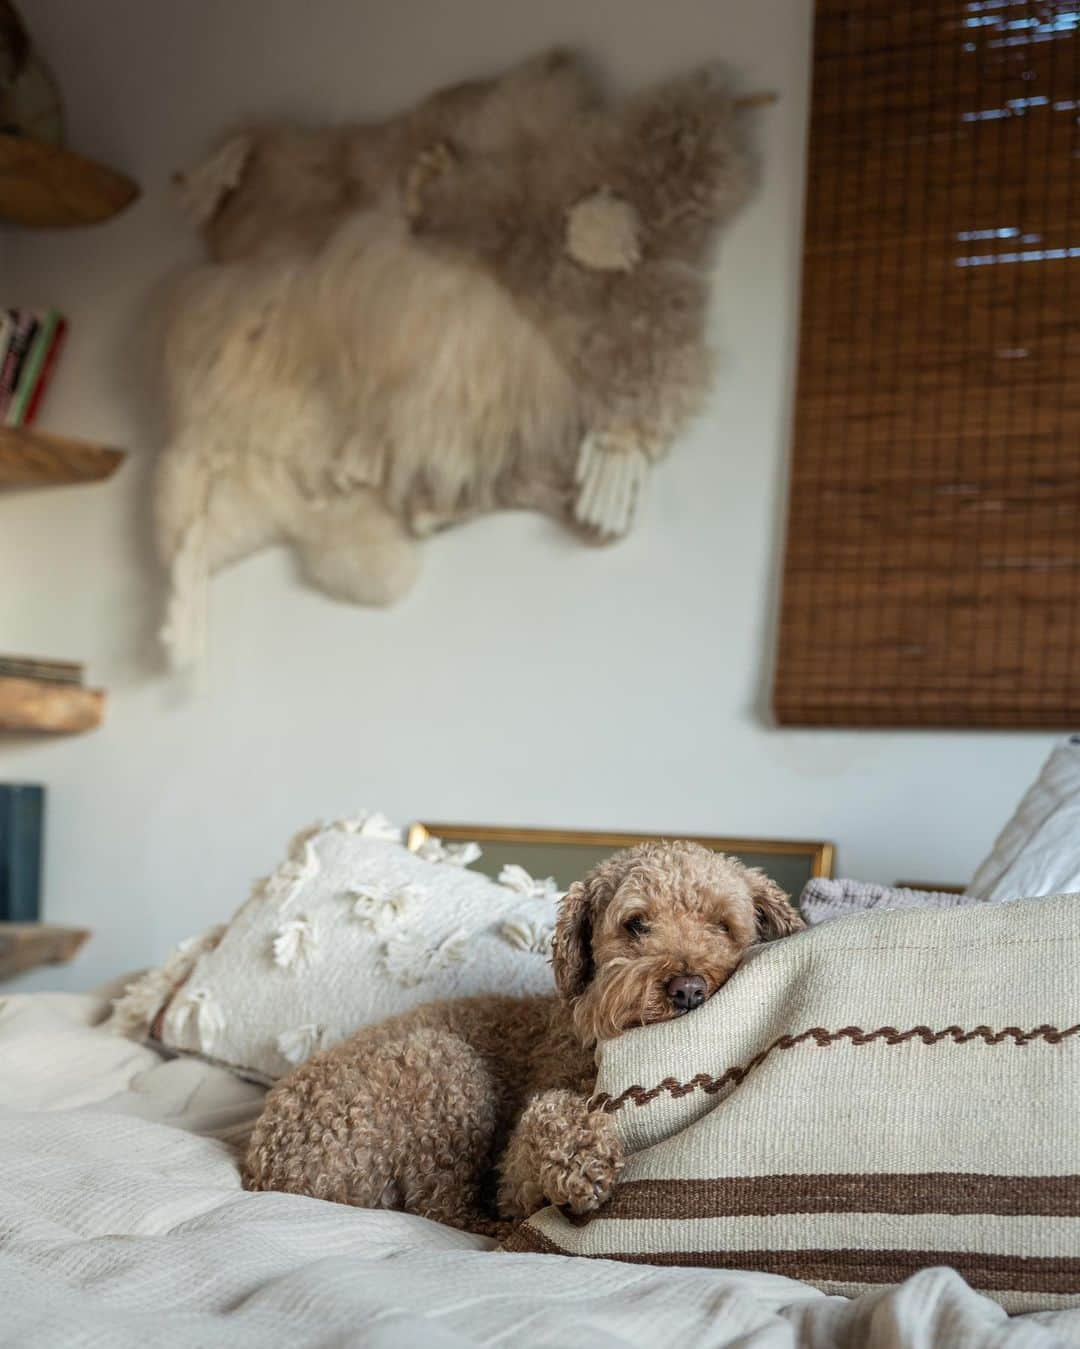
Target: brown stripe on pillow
[1013, 1273]
[870, 1192]
[528, 1239]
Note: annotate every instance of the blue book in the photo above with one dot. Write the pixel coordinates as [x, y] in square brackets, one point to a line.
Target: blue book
[22, 820]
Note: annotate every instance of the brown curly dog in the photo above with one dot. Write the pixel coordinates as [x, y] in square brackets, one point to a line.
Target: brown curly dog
[475, 1111]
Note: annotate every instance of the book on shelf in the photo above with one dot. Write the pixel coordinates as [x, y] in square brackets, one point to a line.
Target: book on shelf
[48, 671]
[22, 820]
[31, 343]
[21, 331]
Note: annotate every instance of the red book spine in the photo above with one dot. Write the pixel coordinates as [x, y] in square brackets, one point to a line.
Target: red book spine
[46, 371]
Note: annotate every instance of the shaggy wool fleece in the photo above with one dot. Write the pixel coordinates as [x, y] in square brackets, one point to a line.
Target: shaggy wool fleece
[496, 299]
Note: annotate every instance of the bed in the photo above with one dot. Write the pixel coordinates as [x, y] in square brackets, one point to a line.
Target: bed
[123, 1222]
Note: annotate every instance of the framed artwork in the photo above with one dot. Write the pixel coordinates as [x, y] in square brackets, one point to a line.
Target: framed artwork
[566, 854]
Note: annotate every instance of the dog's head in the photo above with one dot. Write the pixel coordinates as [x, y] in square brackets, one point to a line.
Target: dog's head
[653, 932]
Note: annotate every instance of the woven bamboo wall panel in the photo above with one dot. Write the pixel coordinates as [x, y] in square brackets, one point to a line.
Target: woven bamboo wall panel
[932, 572]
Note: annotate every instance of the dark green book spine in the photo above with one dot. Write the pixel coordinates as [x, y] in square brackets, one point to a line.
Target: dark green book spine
[22, 820]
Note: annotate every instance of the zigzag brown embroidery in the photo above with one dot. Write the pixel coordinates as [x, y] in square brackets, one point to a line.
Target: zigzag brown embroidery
[823, 1038]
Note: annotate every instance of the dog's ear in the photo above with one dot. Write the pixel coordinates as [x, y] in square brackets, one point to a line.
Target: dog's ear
[571, 947]
[203, 189]
[775, 915]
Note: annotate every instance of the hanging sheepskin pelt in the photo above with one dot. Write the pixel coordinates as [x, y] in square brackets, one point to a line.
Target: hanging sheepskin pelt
[496, 300]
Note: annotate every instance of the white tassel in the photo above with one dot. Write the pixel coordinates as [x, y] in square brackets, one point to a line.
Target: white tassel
[376, 825]
[371, 824]
[406, 958]
[299, 1043]
[610, 475]
[294, 944]
[526, 934]
[199, 1009]
[453, 854]
[381, 907]
[518, 879]
[462, 854]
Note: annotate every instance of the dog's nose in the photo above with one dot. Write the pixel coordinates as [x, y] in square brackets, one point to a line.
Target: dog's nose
[686, 992]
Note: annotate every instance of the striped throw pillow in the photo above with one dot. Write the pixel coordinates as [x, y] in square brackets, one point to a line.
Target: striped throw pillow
[890, 1091]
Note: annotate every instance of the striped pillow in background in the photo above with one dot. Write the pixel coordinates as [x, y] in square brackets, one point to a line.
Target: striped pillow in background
[824, 899]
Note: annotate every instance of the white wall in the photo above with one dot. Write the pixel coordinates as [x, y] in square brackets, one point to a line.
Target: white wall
[527, 680]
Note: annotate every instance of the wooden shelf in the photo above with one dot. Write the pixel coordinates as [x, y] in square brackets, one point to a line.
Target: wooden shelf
[40, 184]
[25, 946]
[37, 458]
[60, 709]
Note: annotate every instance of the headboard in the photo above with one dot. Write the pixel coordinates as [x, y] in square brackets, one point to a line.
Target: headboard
[566, 854]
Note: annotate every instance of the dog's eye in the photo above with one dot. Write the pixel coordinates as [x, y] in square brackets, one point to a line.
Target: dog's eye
[721, 927]
[636, 926]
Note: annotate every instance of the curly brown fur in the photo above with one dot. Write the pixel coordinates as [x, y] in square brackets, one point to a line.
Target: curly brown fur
[475, 1112]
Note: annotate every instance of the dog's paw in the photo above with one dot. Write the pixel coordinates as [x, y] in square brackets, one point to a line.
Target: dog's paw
[585, 1178]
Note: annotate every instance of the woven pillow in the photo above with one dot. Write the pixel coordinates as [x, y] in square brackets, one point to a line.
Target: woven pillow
[350, 929]
[882, 1093]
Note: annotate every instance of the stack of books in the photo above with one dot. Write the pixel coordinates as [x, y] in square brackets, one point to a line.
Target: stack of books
[49, 671]
[29, 344]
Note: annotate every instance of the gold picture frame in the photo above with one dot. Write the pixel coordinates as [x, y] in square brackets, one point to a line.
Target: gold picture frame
[566, 854]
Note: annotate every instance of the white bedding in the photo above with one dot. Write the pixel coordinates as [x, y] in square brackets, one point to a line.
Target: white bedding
[122, 1222]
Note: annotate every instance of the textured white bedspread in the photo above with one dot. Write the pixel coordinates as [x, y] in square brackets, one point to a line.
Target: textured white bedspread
[122, 1222]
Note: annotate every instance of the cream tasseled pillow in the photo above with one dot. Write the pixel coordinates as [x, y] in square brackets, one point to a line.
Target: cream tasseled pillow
[350, 929]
